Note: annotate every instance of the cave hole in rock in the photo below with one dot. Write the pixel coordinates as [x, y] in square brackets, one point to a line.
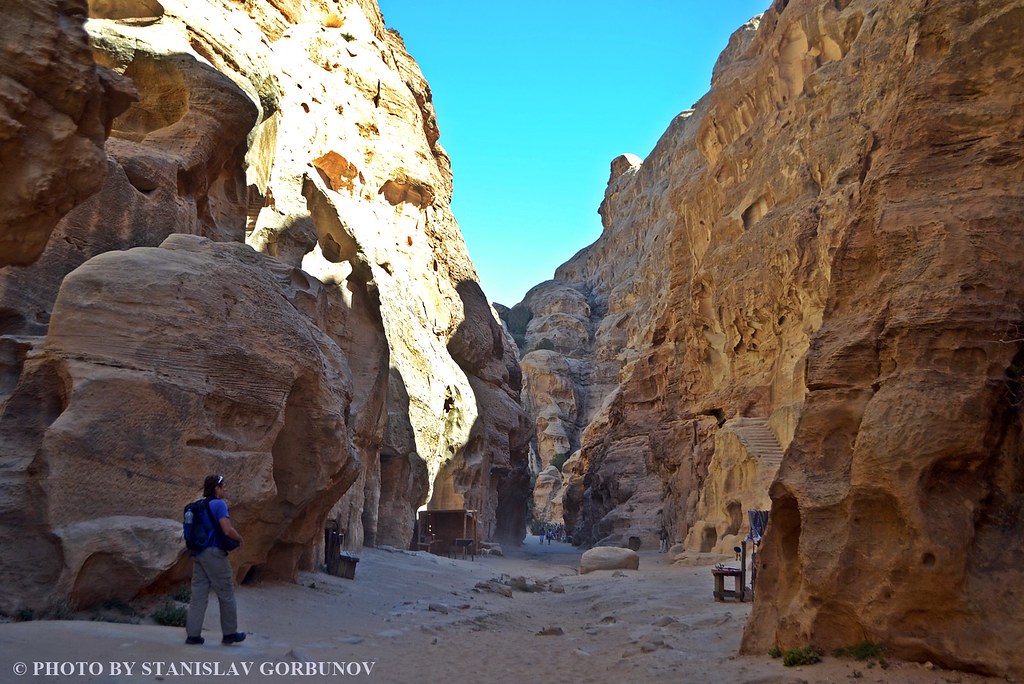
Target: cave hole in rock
[786, 523]
[754, 212]
[125, 9]
[163, 97]
[708, 539]
[308, 428]
[252, 576]
[717, 413]
[734, 509]
[330, 248]
[11, 321]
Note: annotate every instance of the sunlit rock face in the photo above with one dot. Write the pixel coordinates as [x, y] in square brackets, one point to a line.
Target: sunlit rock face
[563, 380]
[277, 198]
[827, 243]
[548, 495]
[55, 110]
[142, 395]
[746, 459]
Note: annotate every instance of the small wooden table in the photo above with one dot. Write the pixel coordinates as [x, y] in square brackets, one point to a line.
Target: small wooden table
[465, 545]
[427, 544]
[721, 593]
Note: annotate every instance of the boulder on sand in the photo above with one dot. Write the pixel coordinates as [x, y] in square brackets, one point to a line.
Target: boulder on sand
[609, 558]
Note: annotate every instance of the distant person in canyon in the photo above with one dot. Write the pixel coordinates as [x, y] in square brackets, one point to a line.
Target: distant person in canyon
[663, 538]
[212, 569]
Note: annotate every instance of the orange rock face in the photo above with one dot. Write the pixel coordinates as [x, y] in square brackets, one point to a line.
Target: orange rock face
[828, 240]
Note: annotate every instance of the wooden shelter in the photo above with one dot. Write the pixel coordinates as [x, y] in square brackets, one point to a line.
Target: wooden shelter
[448, 531]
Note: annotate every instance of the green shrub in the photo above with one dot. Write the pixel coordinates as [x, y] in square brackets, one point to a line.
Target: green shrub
[800, 656]
[776, 652]
[59, 610]
[558, 460]
[865, 650]
[183, 593]
[117, 605]
[170, 615]
[114, 610]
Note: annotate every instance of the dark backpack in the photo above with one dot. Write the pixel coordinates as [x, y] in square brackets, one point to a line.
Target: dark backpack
[192, 529]
[196, 535]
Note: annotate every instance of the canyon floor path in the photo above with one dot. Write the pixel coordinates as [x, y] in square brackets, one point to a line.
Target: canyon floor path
[413, 617]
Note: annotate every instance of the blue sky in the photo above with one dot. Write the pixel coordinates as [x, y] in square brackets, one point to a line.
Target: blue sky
[534, 100]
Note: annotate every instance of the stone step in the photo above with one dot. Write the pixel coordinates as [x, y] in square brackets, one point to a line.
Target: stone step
[759, 440]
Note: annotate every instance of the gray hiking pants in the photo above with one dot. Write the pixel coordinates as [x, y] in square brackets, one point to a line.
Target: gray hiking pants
[211, 568]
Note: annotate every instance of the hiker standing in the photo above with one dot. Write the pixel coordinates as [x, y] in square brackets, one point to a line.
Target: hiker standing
[212, 569]
[663, 538]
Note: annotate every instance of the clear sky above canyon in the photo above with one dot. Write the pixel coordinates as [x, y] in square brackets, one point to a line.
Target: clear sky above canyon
[534, 100]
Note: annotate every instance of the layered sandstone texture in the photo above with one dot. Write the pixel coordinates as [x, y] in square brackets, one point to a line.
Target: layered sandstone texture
[56, 105]
[269, 285]
[828, 244]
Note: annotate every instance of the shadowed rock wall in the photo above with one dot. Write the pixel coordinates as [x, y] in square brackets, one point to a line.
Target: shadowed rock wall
[56, 105]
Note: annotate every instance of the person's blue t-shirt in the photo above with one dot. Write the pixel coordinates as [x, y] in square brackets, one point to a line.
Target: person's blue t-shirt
[218, 510]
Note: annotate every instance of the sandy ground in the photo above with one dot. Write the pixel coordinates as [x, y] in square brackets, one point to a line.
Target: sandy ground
[414, 617]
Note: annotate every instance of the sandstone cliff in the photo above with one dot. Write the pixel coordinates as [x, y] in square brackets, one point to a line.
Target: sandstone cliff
[56, 106]
[270, 285]
[825, 244]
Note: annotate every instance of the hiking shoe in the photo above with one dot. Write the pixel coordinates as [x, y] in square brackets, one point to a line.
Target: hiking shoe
[233, 638]
[195, 641]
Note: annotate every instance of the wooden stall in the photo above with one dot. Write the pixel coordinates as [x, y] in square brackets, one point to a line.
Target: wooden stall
[451, 532]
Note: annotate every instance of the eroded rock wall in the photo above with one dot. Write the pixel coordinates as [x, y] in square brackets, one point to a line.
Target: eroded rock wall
[899, 504]
[342, 366]
[826, 243]
[56, 106]
[142, 397]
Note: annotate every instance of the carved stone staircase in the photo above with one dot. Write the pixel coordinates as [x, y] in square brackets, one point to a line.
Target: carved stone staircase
[759, 440]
